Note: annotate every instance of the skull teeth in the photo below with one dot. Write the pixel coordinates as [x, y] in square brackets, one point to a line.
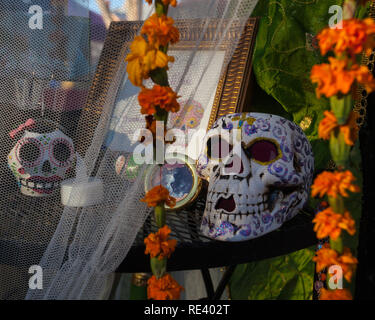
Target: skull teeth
[40, 185]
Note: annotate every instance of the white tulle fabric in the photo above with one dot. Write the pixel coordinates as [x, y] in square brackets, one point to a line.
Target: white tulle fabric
[89, 243]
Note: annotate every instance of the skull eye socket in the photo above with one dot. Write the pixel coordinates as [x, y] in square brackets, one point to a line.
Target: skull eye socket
[29, 152]
[264, 151]
[218, 148]
[61, 152]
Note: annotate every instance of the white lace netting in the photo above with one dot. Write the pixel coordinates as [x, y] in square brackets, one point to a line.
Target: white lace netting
[79, 248]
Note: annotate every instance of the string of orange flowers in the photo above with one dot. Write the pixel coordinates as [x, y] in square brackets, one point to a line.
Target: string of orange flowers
[337, 81]
[148, 58]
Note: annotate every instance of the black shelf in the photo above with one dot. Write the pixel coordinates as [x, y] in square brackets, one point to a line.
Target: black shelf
[195, 251]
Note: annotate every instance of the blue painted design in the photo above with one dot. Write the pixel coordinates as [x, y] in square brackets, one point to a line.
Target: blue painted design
[250, 129]
[246, 230]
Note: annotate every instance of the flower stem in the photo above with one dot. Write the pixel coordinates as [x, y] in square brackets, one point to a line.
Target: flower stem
[337, 204]
[337, 245]
[341, 107]
[160, 8]
[158, 267]
[160, 215]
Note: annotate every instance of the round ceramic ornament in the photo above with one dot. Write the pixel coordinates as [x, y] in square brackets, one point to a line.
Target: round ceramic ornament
[179, 176]
[271, 181]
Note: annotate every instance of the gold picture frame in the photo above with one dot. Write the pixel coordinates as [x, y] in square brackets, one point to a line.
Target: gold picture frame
[233, 92]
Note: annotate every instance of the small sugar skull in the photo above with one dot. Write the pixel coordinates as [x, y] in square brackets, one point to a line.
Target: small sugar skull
[41, 160]
[271, 182]
[189, 117]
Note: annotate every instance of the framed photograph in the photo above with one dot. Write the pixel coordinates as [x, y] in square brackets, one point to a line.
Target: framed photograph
[112, 94]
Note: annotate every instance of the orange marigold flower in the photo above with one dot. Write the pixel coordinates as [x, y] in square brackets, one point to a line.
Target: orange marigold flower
[348, 264]
[330, 223]
[338, 294]
[158, 195]
[364, 77]
[335, 78]
[163, 97]
[165, 288]
[326, 257]
[158, 244]
[355, 37]
[329, 123]
[142, 59]
[350, 129]
[160, 30]
[334, 183]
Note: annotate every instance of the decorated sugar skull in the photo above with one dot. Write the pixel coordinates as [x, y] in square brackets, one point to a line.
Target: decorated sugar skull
[41, 158]
[189, 117]
[260, 169]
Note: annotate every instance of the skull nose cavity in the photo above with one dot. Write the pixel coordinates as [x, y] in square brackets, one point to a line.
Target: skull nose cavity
[228, 205]
[235, 166]
[46, 168]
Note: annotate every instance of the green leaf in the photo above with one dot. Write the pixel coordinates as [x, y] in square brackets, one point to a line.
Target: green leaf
[284, 277]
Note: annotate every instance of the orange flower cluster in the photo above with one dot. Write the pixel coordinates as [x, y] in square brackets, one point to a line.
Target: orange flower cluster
[165, 288]
[156, 103]
[355, 36]
[158, 244]
[144, 58]
[334, 183]
[338, 294]
[329, 224]
[336, 78]
[160, 30]
[329, 123]
[157, 195]
[163, 97]
[326, 257]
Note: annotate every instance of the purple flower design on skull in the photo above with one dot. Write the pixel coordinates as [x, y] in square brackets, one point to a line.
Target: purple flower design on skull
[262, 124]
[224, 228]
[250, 129]
[267, 218]
[246, 230]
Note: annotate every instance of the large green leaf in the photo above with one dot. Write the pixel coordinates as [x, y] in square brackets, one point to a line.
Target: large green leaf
[284, 277]
[283, 58]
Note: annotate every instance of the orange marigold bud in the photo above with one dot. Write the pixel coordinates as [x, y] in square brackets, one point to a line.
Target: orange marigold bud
[144, 58]
[163, 97]
[355, 36]
[165, 288]
[338, 294]
[326, 257]
[158, 195]
[336, 78]
[158, 244]
[329, 223]
[160, 30]
[334, 183]
[329, 123]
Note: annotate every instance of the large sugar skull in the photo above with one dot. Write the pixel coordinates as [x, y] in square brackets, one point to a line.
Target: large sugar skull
[41, 159]
[259, 175]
